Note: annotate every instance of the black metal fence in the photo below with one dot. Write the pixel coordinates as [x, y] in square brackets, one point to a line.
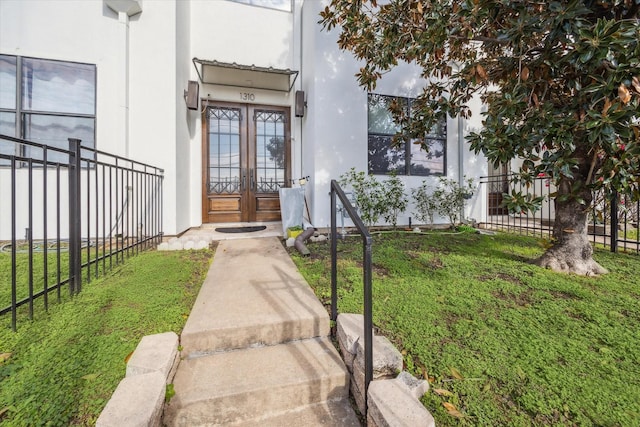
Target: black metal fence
[336, 191]
[82, 212]
[613, 219]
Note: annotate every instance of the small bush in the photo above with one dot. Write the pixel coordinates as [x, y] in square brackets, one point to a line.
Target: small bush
[450, 198]
[395, 199]
[425, 204]
[368, 195]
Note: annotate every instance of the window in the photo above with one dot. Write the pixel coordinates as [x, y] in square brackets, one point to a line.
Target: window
[385, 158]
[284, 5]
[46, 101]
[7, 103]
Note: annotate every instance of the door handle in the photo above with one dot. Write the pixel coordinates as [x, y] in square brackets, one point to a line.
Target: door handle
[252, 182]
[243, 180]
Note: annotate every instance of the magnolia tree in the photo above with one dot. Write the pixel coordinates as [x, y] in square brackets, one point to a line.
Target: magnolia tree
[560, 81]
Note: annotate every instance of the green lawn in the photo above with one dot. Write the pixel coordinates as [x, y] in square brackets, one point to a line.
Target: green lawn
[57, 269]
[501, 341]
[62, 368]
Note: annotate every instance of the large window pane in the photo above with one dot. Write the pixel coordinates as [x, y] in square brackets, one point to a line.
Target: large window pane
[284, 5]
[407, 158]
[380, 119]
[7, 127]
[428, 163]
[383, 157]
[60, 87]
[8, 73]
[55, 131]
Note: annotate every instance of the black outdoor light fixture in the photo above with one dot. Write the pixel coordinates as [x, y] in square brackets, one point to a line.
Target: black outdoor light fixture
[191, 95]
[300, 103]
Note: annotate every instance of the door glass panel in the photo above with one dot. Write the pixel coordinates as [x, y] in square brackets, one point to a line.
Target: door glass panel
[224, 151]
[270, 151]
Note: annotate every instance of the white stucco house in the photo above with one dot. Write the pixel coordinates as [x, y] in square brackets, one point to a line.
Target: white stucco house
[232, 98]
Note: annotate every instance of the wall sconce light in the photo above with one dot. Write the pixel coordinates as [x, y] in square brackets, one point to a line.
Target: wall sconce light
[191, 95]
[300, 103]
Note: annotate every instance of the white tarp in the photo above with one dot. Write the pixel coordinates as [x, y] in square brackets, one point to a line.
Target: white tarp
[291, 207]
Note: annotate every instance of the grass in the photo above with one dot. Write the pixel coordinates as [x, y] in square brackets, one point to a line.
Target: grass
[56, 269]
[62, 368]
[502, 342]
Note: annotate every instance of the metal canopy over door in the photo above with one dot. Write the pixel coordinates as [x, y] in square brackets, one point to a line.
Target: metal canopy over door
[245, 161]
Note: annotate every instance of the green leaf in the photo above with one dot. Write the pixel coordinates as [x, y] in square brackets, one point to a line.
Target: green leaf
[169, 393]
[456, 374]
[586, 56]
[90, 377]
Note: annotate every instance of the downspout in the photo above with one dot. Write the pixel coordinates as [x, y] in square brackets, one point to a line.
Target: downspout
[301, 83]
[125, 9]
[123, 19]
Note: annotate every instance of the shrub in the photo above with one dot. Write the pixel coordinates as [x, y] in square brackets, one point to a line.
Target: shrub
[450, 198]
[368, 195]
[425, 204]
[395, 199]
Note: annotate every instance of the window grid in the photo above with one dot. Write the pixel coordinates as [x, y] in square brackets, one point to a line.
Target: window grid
[49, 101]
[384, 158]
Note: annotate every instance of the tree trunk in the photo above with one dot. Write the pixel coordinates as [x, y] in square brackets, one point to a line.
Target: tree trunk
[571, 251]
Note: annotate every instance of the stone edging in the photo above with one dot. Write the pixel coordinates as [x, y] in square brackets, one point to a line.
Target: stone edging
[139, 398]
[394, 395]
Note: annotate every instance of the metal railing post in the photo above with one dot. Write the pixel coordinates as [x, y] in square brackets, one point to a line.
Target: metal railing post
[368, 320]
[334, 256]
[75, 243]
[14, 248]
[614, 221]
[366, 262]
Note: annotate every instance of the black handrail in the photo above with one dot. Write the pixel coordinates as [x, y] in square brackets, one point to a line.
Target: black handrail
[366, 263]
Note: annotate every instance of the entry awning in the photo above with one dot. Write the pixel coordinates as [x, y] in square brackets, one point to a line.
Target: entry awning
[251, 76]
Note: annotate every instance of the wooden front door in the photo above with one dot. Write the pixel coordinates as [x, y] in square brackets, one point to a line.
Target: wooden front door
[245, 152]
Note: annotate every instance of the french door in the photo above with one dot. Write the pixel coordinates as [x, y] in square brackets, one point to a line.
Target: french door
[246, 159]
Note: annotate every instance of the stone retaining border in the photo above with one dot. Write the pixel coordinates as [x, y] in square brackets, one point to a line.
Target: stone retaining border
[139, 398]
[394, 395]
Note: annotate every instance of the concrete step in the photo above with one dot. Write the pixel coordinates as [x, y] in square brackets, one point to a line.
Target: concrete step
[333, 413]
[260, 383]
[253, 295]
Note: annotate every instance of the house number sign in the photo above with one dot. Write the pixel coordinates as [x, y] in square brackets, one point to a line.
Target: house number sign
[247, 96]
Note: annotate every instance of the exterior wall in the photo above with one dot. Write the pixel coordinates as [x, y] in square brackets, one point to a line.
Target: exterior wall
[184, 128]
[144, 63]
[29, 29]
[336, 126]
[153, 102]
[140, 110]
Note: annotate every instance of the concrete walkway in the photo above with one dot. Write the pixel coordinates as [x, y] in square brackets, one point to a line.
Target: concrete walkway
[255, 348]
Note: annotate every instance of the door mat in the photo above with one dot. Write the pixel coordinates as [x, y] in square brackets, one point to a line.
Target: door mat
[250, 229]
